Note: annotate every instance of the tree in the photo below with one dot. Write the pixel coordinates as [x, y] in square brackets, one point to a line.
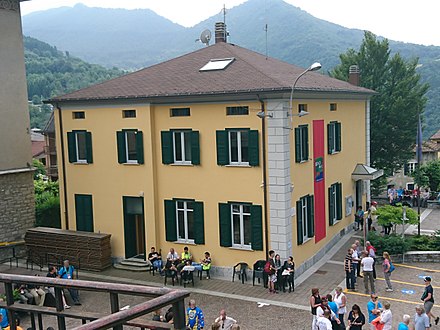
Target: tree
[428, 175]
[393, 216]
[40, 169]
[395, 108]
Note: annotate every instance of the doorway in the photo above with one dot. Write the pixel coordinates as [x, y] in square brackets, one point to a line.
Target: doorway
[134, 227]
[358, 193]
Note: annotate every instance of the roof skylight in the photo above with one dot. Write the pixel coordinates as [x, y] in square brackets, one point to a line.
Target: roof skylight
[217, 64]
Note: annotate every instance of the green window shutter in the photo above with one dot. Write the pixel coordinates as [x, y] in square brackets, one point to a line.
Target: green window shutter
[195, 148]
[84, 212]
[310, 216]
[140, 147]
[257, 227]
[166, 138]
[299, 226]
[330, 206]
[254, 149]
[306, 142]
[330, 141]
[297, 145]
[122, 154]
[199, 223]
[224, 210]
[222, 147]
[89, 149]
[338, 136]
[71, 147]
[338, 187]
[170, 221]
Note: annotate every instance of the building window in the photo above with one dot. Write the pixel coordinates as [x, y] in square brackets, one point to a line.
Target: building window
[78, 115]
[128, 113]
[217, 64]
[84, 212]
[80, 147]
[335, 203]
[237, 111]
[409, 168]
[237, 147]
[241, 225]
[130, 147]
[302, 143]
[184, 221]
[334, 137]
[333, 106]
[305, 222]
[302, 107]
[180, 112]
[180, 147]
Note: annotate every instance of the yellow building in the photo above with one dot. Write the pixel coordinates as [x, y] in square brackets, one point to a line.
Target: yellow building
[204, 151]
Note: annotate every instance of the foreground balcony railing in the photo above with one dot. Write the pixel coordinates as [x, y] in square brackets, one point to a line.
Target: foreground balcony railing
[161, 297]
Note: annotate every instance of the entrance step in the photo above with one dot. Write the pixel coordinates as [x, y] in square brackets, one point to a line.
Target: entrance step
[134, 265]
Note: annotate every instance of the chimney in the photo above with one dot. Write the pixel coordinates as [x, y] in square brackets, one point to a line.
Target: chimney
[353, 75]
[220, 32]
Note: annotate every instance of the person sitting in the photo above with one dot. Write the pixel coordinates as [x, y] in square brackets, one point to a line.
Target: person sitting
[37, 293]
[156, 260]
[24, 295]
[186, 272]
[206, 264]
[186, 256]
[67, 272]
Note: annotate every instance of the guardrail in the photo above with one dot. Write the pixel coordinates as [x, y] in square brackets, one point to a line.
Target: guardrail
[161, 297]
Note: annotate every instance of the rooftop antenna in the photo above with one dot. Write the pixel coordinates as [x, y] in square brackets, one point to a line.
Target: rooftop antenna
[265, 30]
[205, 37]
[224, 22]
[266, 26]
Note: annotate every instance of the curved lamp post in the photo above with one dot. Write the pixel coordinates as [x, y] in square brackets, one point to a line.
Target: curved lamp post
[314, 67]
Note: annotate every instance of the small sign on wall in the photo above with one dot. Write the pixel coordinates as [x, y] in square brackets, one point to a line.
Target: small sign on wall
[348, 205]
[319, 169]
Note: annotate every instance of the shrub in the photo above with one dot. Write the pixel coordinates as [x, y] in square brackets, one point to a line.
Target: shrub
[393, 244]
[47, 211]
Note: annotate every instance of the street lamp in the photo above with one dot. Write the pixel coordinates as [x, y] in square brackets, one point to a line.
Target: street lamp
[314, 67]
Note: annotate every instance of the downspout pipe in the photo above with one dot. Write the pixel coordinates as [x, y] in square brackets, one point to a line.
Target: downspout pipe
[265, 201]
[63, 166]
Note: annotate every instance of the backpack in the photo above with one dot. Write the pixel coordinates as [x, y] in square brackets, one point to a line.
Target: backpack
[267, 267]
[392, 267]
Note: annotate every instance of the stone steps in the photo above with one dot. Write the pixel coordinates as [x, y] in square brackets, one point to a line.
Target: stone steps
[134, 265]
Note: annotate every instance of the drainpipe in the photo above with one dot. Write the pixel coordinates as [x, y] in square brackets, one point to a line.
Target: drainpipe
[63, 165]
[265, 202]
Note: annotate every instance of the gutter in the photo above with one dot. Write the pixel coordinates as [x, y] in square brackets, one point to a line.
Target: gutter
[63, 166]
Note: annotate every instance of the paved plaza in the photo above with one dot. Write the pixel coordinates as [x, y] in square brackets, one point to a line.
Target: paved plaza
[255, 308]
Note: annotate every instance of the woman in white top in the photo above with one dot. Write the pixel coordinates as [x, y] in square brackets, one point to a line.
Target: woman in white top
[386, 318]
[341, 300]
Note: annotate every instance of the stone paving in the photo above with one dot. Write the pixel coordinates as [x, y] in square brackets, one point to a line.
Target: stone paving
[284, 310]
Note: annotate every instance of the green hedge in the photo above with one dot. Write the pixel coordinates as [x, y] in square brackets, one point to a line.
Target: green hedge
[47, 211]
[396, 244]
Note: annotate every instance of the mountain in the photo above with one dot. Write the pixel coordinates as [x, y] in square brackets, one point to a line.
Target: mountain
[136, 38]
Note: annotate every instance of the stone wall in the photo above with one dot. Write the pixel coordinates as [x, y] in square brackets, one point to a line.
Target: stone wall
[17, 205]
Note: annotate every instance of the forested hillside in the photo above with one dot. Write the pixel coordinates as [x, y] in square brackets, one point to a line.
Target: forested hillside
[51, 72]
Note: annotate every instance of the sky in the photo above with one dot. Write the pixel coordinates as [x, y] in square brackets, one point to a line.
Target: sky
[401, 20]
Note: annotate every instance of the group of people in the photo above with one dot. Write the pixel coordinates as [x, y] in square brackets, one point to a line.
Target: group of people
[182, 265]
[195, 319]
[360, 216]
[279, 275]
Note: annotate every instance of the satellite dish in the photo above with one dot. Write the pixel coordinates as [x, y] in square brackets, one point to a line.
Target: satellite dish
[205, 37]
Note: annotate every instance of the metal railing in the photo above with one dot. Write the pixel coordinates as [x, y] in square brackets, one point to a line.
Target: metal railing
[161, 297]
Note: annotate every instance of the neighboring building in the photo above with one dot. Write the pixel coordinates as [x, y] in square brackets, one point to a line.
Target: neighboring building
[16, 173]
[173, 155]
[50, 149]
[38, 146]
[430, 152]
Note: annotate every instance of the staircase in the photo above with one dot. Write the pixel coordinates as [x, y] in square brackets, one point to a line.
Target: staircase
[134, 265]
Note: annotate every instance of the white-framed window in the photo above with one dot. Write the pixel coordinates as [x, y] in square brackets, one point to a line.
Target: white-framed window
[334, 140]
[130, 147]
[185, 221]
[412, 167]
[305, 219]
[335, 203]
[238, 147]
[302, 143]
[81, 147]
[182, 147]
[241, 225]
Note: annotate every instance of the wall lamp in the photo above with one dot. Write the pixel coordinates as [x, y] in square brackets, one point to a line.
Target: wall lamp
[262, 115]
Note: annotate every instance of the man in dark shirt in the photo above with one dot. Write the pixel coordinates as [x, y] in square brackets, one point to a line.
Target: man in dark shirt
[154, 258]
[428, 299]
[349, 270]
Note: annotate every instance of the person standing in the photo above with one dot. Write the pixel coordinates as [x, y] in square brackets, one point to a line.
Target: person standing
[195, 317]
[372, 253]
[374, 307]
[404, 325]
[356, 259]
[225, 321]
[421, 320]
[359, 218]
[359, 252]
[356, 319]
[67, 272]
[349, 270]
[323, 322]
[272, 272]
[428, 299]
[341, 300]
[315, 301]
[387, 271]
[386, 317]
[367, 263]
[372, 215]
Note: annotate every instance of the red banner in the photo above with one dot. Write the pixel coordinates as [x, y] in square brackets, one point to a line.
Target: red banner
[319, 179]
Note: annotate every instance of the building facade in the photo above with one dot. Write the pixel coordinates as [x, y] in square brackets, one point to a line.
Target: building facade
[205, 151]
[16, 174]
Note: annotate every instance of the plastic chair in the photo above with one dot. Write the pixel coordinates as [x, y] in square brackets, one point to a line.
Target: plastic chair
[204, 269]
[240, 270]
[170, 274]
[187, 277]
[259, 273]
